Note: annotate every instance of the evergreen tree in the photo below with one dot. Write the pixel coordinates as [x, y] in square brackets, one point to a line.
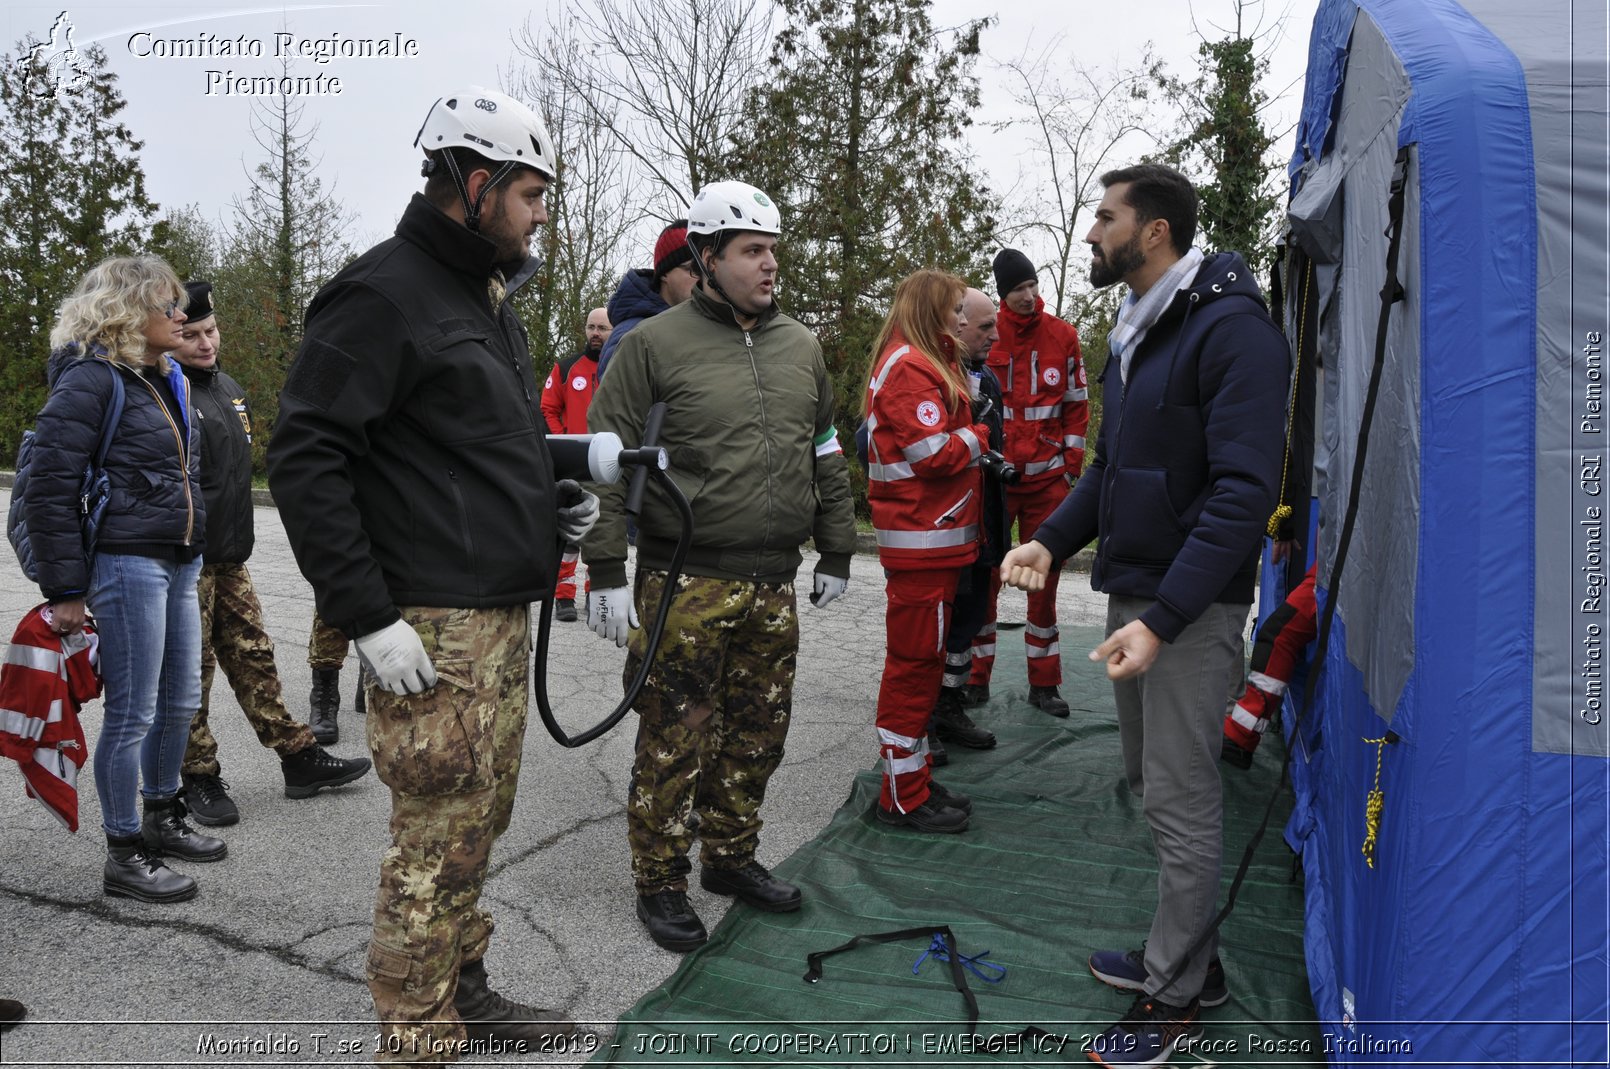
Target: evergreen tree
[71, 193]
[856, 136]
[289, 236]
[1226, 147]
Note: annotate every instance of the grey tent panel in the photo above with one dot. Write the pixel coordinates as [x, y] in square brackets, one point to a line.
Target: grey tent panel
[1565, 87]
[1379, 610]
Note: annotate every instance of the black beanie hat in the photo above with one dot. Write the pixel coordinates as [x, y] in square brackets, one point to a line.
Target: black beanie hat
[1012, 269]
[199, 305]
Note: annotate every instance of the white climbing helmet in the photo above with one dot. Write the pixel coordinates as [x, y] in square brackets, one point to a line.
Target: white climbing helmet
[493, 124]
[733, 206]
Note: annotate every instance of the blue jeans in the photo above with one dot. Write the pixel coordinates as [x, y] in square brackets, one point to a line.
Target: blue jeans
[150, 648]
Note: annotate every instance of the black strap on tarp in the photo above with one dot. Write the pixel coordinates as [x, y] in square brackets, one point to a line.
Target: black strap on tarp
[1391, 293]
[958, 975]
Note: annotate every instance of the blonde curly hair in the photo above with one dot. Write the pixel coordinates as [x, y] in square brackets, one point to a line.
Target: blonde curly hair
[111, 304]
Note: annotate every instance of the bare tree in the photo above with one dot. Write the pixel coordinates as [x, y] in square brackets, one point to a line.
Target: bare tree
[1079, 122]
[589, 214]
[666, 82]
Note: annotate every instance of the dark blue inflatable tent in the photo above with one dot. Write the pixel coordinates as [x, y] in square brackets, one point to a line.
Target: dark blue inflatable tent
[1471, 624]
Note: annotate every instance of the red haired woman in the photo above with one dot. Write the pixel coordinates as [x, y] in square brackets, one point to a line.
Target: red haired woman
[924, 486]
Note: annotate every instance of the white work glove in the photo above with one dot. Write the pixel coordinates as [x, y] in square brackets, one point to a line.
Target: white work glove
[575, 519]
[398, 659]
[611, 614]
[826, 588]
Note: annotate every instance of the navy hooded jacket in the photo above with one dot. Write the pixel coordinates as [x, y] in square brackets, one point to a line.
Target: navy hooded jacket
[635, 300]
[1187, 467]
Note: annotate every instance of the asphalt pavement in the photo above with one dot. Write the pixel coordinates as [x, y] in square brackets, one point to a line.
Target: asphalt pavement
[265, 964]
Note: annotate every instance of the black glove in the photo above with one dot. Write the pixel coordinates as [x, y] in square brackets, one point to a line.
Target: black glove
[982, 406]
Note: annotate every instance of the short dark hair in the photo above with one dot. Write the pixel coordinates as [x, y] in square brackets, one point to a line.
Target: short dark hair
[1159, 192]
[440, 189]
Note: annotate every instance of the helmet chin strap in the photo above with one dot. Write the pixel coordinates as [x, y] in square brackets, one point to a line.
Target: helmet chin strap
[708, 276]
[472, 209]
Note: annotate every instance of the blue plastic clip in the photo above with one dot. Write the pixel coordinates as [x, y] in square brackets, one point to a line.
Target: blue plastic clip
[973, 964]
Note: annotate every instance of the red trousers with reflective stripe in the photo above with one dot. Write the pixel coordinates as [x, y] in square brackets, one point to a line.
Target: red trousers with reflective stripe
[565, 590]
[1040, 640]
[1275, 649]
[917, 618]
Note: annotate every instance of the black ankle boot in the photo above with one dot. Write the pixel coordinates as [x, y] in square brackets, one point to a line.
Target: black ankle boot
[357, 696]
[670, 921]
[168, 835]
[488, 1016]
[952, 723]
[311, 770]
[133, 873]
[323, 702]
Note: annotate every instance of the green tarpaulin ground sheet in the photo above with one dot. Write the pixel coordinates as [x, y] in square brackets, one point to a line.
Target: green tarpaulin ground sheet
[1057, 863]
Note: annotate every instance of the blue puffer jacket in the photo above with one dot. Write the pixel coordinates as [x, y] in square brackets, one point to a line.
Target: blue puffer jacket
[1187, 465]
[635, 300]
[156, 507]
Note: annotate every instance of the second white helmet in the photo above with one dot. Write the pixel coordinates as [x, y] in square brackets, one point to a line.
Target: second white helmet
[493, 124]
[733, 206]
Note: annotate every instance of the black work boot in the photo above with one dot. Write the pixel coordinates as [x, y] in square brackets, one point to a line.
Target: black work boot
[937, 754]
[952, 723]
[975, 694]
[754, 884]
[488, 1016]
[132, 872]
[309, 771]
[168, 835]
[11, 1013]
[930, 817]
[948, 799]
[358, 705]
[206, 795]
[1047, 700]
[564, 610]
[671, 921]
[323, 702]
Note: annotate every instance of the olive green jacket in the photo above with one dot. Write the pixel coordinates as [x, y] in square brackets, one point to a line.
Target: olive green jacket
[749, 429]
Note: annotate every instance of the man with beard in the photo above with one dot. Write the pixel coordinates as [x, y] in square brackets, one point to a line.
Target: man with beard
[1185, 475]
[565, 397]
[1046, 414]
[411, 467]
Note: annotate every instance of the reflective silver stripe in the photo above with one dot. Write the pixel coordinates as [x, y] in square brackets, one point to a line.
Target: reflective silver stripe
[987, 629]
[1247, 720]
[983, 649]
[34, 657]
[1043, 411]
[1073, 441]
[898, 765]
[894, 358]
[966, 434]
[1267, 684]
[1038, 466]
[571, 555]
[957, 658]
[927, 447]
[1053, 650]
[1081, 394]
[24, 727]
[1040, 632]
[960, 536]
[957, 678]
[1034, 367]
[889, 473]
[905, 742]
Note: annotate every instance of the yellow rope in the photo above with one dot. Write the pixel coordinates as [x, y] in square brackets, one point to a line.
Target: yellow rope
[1284, 511]
[1374, 802]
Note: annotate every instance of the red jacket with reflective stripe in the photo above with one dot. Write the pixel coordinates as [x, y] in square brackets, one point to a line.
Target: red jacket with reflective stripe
[1043, 383]
[924, 482]
[567, 393]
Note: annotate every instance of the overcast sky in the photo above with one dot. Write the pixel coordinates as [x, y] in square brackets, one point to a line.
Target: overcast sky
[198, 141]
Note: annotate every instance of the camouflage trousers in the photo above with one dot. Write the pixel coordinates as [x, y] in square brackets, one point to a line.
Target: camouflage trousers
[451, 757]
[713, 716]
[232, 635]
[326, 646]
